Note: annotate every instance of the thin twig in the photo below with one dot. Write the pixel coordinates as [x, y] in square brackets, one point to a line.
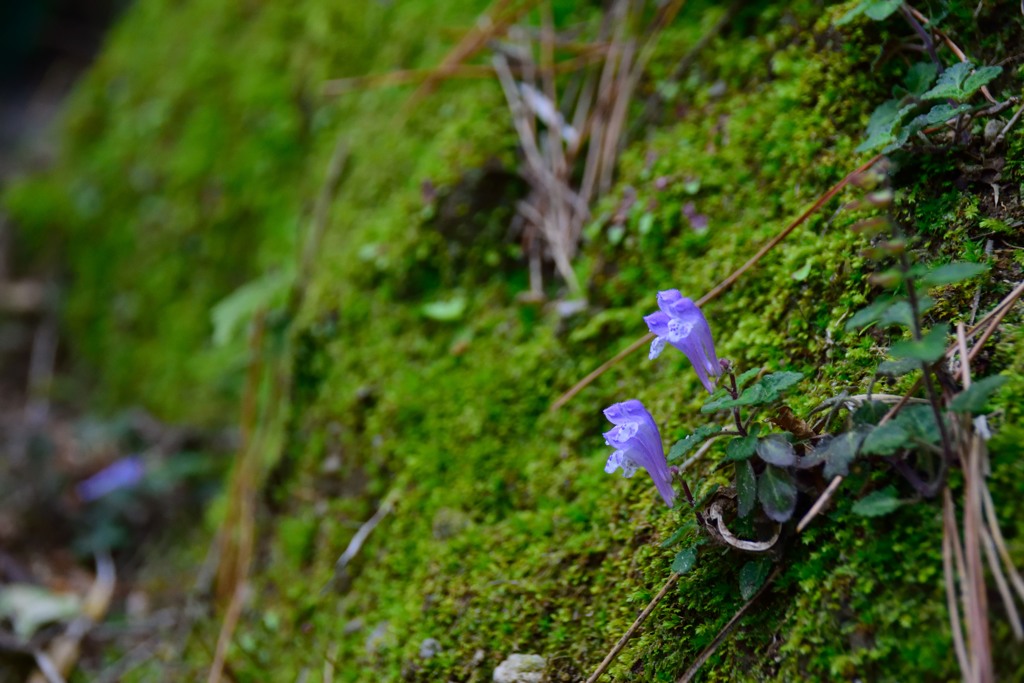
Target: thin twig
[360, 537]
[819, 504]
[950, 580]
[610, 657]
[1002, 134]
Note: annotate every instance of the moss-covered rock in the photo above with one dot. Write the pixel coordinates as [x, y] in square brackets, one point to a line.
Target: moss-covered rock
[189, 169]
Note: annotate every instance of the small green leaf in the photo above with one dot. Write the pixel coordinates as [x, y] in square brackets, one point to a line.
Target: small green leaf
[777, 493]
[750, 374]
[801, 273]
[952, 272]
[897, 368]
[752, 576]
[881, 9]
[775, 450]
[837, 454]
[868, 315]
[778, 382]
[882, 126]
[900, 312]
[230, 313]
[950, 84]
[679, 533]
[940, 113]
[981, 76]
[740, 448]
[688, 443]
[684, 560]
[746, 487]
[930, 349]
[885, 439]
[974, 399]
[919, 422]
[877, 503]
[920, 77]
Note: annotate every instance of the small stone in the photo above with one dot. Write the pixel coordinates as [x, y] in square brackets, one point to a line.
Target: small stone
[992, 129]
[429, 648]
[521, 669]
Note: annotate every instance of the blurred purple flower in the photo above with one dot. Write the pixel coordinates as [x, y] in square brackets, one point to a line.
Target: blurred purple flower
[121, 474]
[637, 442]
[681, 324]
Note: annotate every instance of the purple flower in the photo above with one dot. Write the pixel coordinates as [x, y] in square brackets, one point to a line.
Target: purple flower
[637, 442]
[681, 324]
[121, 474]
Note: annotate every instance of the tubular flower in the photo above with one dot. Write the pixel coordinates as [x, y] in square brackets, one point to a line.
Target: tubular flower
[681, 324]
[637, 442]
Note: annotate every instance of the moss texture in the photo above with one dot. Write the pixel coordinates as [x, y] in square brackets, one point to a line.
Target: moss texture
[189, 168]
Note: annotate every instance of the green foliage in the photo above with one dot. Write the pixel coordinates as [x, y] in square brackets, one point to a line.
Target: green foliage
[878, 503]
[684, 560]
[774, 449]
[777, 493]
[691, 441]
[752, 576]
[746, 487]
[874, 9]
[975, 399]
[930, 348]
[768, 389]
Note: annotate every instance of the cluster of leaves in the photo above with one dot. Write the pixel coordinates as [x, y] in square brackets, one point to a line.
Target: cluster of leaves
[925, 99]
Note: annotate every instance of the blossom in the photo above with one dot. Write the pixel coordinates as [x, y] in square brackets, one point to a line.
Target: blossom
[637, 442]
[681, 324]
[121, 474]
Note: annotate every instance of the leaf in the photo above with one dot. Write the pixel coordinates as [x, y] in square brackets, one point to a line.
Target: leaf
[230, 313]
[868, 315]
[741, 447]
[777, 493]
[877, 503]
[900, 312]
[919, 422]
[691, 441]
[981, 76]
[685, 560]
[780, 381]
[881, 9]
[746, 487]
[445, 310]
[837, 454]
[897, 368]
[881, 126]
[750, 374]
[679, 533]
[974, 399]
[940, 113]
[952, 272]
[885, 439]
[775, 450]
[920, 77]
[929, 349]
[752, 576]
[950, 84]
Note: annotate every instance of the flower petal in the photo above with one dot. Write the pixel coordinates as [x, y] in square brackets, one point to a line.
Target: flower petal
[657, 346]
[657, 323]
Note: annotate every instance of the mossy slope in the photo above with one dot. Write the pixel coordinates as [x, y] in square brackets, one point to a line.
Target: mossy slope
[506, 534]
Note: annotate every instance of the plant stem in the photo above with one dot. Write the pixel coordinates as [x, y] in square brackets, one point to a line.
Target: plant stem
[915, 317]
[693, 503]
[735, 393]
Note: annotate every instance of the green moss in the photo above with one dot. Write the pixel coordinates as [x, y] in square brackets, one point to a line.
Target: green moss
[506, 535]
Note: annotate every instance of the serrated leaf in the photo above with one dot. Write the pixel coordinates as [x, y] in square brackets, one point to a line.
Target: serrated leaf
[885, 439]
[897, 368]
[837, 454]
[952, 272]
[684, 560]
[950, 84]
[974, 399]
[775, 450]
[919, 422]
[778, 382]
[688, 443]
[752, 576]
[940, 113]
[750, 374]
[746, 487]
[882, 126]
[920, 77]
[877, 503]
[777, 493]
[981, 76]
[740, 447]
[929, 349]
